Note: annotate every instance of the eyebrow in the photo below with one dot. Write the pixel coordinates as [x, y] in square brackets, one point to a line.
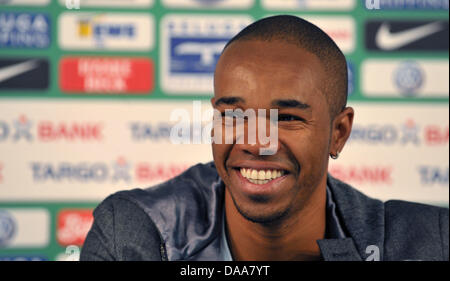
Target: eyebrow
[229, 100]
[290, 104]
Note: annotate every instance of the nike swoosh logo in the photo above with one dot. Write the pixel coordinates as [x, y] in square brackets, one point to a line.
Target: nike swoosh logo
[391, 41]
[14, 70]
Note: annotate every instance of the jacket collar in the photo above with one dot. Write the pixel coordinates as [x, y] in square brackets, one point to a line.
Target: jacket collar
[187, 212]
[363, 220]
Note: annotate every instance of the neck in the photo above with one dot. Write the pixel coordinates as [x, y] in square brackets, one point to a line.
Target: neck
[292, 238]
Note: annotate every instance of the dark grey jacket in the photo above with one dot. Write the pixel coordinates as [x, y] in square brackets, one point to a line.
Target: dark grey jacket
[181, 220]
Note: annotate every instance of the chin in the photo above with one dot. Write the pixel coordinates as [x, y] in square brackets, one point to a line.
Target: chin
[260, 211]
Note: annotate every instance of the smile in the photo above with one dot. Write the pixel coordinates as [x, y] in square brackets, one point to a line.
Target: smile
[261, 176]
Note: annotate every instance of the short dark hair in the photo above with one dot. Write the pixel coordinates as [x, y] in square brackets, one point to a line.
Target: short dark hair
[305, 35]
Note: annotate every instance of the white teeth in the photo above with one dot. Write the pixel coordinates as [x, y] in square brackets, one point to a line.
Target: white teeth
[254, 174]
[260, 176]
[268, 175]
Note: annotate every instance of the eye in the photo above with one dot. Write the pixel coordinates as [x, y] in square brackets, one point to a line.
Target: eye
[234, 115]
[289, 117]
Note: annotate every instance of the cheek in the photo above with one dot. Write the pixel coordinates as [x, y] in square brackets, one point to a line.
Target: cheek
[220, 155]
[308, 149]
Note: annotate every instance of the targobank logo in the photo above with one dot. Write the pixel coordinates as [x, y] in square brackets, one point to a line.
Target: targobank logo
[24, 129]
[433, 175]
[209, 4]
[119, 171]
[24, 30]
[408, 133]
[108, 31]
[191, 46]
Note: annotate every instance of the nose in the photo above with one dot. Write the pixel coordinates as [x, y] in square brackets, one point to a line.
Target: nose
[257, 136]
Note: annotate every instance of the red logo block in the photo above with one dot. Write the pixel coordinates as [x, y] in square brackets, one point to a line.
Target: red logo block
[73, 226]
[106, 75]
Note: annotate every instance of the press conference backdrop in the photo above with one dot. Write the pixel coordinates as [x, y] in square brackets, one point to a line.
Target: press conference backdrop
[87, 88]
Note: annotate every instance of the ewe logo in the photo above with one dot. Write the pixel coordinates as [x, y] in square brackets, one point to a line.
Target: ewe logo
[191, 46]
[108, 31]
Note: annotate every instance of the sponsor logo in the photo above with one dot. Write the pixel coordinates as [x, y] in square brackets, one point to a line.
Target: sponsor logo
[106, 31]
[407, 133]
[18, 74]
[309, 4]
[362, 174]
[408, 5]
[23, 258]
[50, 131]
[146, 172]
[432, 175]
[24, 30]
[106, 75]
[147, 131]
[191, 46]
[238, 4]
[405, 78]
[341, 29]
[185, 132]
[73, 226]
[109, 3]
[396, 35]
[7, 228]
[24, 228]
[120, 170]
[436, 135]
[25, 2]
[409, 78]
[351, 78]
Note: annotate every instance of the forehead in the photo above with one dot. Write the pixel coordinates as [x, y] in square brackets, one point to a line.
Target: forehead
[270, 69]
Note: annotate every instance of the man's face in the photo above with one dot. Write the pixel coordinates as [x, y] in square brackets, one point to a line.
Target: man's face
[273, 75]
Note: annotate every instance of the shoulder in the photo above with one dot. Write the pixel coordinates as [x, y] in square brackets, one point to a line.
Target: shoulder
[417, 230]
[140, 223]
[408, 230]
[121, 231]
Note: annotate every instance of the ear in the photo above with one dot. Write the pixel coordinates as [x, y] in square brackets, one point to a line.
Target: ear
[213, 101]
[341, 129]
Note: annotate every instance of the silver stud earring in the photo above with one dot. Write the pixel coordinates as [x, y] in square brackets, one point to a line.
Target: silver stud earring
[334, 157]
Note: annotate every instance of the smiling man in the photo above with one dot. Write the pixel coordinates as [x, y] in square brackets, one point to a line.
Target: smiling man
[282, 206]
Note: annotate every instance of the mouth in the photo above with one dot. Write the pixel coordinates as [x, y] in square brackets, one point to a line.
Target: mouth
[261, 176]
